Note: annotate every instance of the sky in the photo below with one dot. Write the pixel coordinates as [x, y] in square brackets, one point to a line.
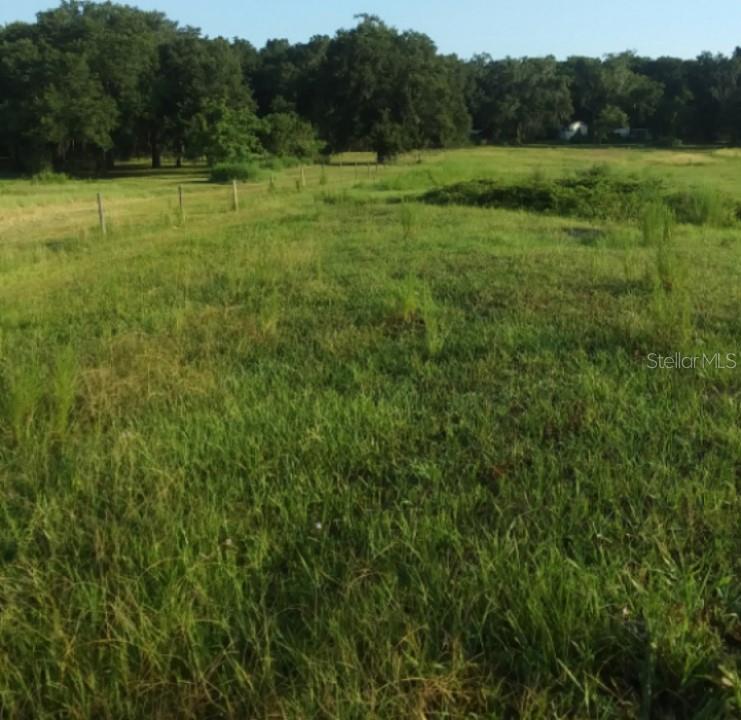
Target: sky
[682, 28]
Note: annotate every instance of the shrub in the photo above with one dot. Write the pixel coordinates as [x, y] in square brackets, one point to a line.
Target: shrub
[243, 171]
[287, 134]
[272, 162]
[224, 134]
[49, 177]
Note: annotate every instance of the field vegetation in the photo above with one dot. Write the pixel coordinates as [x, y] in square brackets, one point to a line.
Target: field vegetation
[350, 453]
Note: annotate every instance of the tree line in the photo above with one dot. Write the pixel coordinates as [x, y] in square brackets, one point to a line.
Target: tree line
[91, 83]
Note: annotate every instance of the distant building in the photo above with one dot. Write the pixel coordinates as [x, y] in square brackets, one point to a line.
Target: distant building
[623, 133]
[576, 129]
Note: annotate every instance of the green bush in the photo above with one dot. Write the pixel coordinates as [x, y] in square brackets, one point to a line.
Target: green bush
[273, 162]
[254, 168]
[242, 171]
[49, 177]
[223, 134]
[286, 134]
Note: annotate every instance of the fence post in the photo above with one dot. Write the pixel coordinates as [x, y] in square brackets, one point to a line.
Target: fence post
[181, 203]
[235, 196]
[101, 215]
[303, 177]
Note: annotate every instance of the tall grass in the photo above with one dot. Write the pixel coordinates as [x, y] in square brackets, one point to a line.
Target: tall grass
[704, 206]
[282, 463]
[407, 217]
[667, 275]
[49, 177]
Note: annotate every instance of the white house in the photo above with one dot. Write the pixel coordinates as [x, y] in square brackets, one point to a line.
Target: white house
[576, 129]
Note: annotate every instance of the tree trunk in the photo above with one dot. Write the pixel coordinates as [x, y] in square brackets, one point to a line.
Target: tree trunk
[156, 156]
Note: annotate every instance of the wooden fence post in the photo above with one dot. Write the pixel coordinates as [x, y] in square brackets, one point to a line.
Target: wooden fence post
[181, 203]
[235, 196]
[101, 215]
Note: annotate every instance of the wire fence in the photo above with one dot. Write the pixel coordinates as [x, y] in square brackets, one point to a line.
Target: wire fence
[179, 198]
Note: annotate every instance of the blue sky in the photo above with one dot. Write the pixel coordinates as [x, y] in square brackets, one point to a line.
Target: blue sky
[500, 27]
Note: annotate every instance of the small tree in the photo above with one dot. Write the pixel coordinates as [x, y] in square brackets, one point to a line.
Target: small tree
[221, 133]
[609, 119]
[286, 134]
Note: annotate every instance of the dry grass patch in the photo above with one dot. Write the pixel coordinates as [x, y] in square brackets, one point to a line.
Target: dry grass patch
[141, 370]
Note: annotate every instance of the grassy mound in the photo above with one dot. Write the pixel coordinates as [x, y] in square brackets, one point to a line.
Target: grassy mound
[595, 193]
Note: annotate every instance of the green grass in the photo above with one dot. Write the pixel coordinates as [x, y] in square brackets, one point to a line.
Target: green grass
[337, 455]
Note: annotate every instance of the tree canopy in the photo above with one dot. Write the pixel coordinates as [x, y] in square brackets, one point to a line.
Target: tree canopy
[89, 83]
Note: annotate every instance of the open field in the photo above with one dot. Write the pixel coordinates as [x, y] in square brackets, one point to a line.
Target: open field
[345, 454]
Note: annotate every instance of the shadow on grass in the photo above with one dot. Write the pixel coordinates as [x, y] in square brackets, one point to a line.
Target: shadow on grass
[144, 170]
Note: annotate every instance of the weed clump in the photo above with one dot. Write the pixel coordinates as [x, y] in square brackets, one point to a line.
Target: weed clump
[408, 218]
[670, 306]
[657, 228]
[415, 306]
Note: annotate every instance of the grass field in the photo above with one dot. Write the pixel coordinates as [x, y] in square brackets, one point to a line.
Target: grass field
[345, 454]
